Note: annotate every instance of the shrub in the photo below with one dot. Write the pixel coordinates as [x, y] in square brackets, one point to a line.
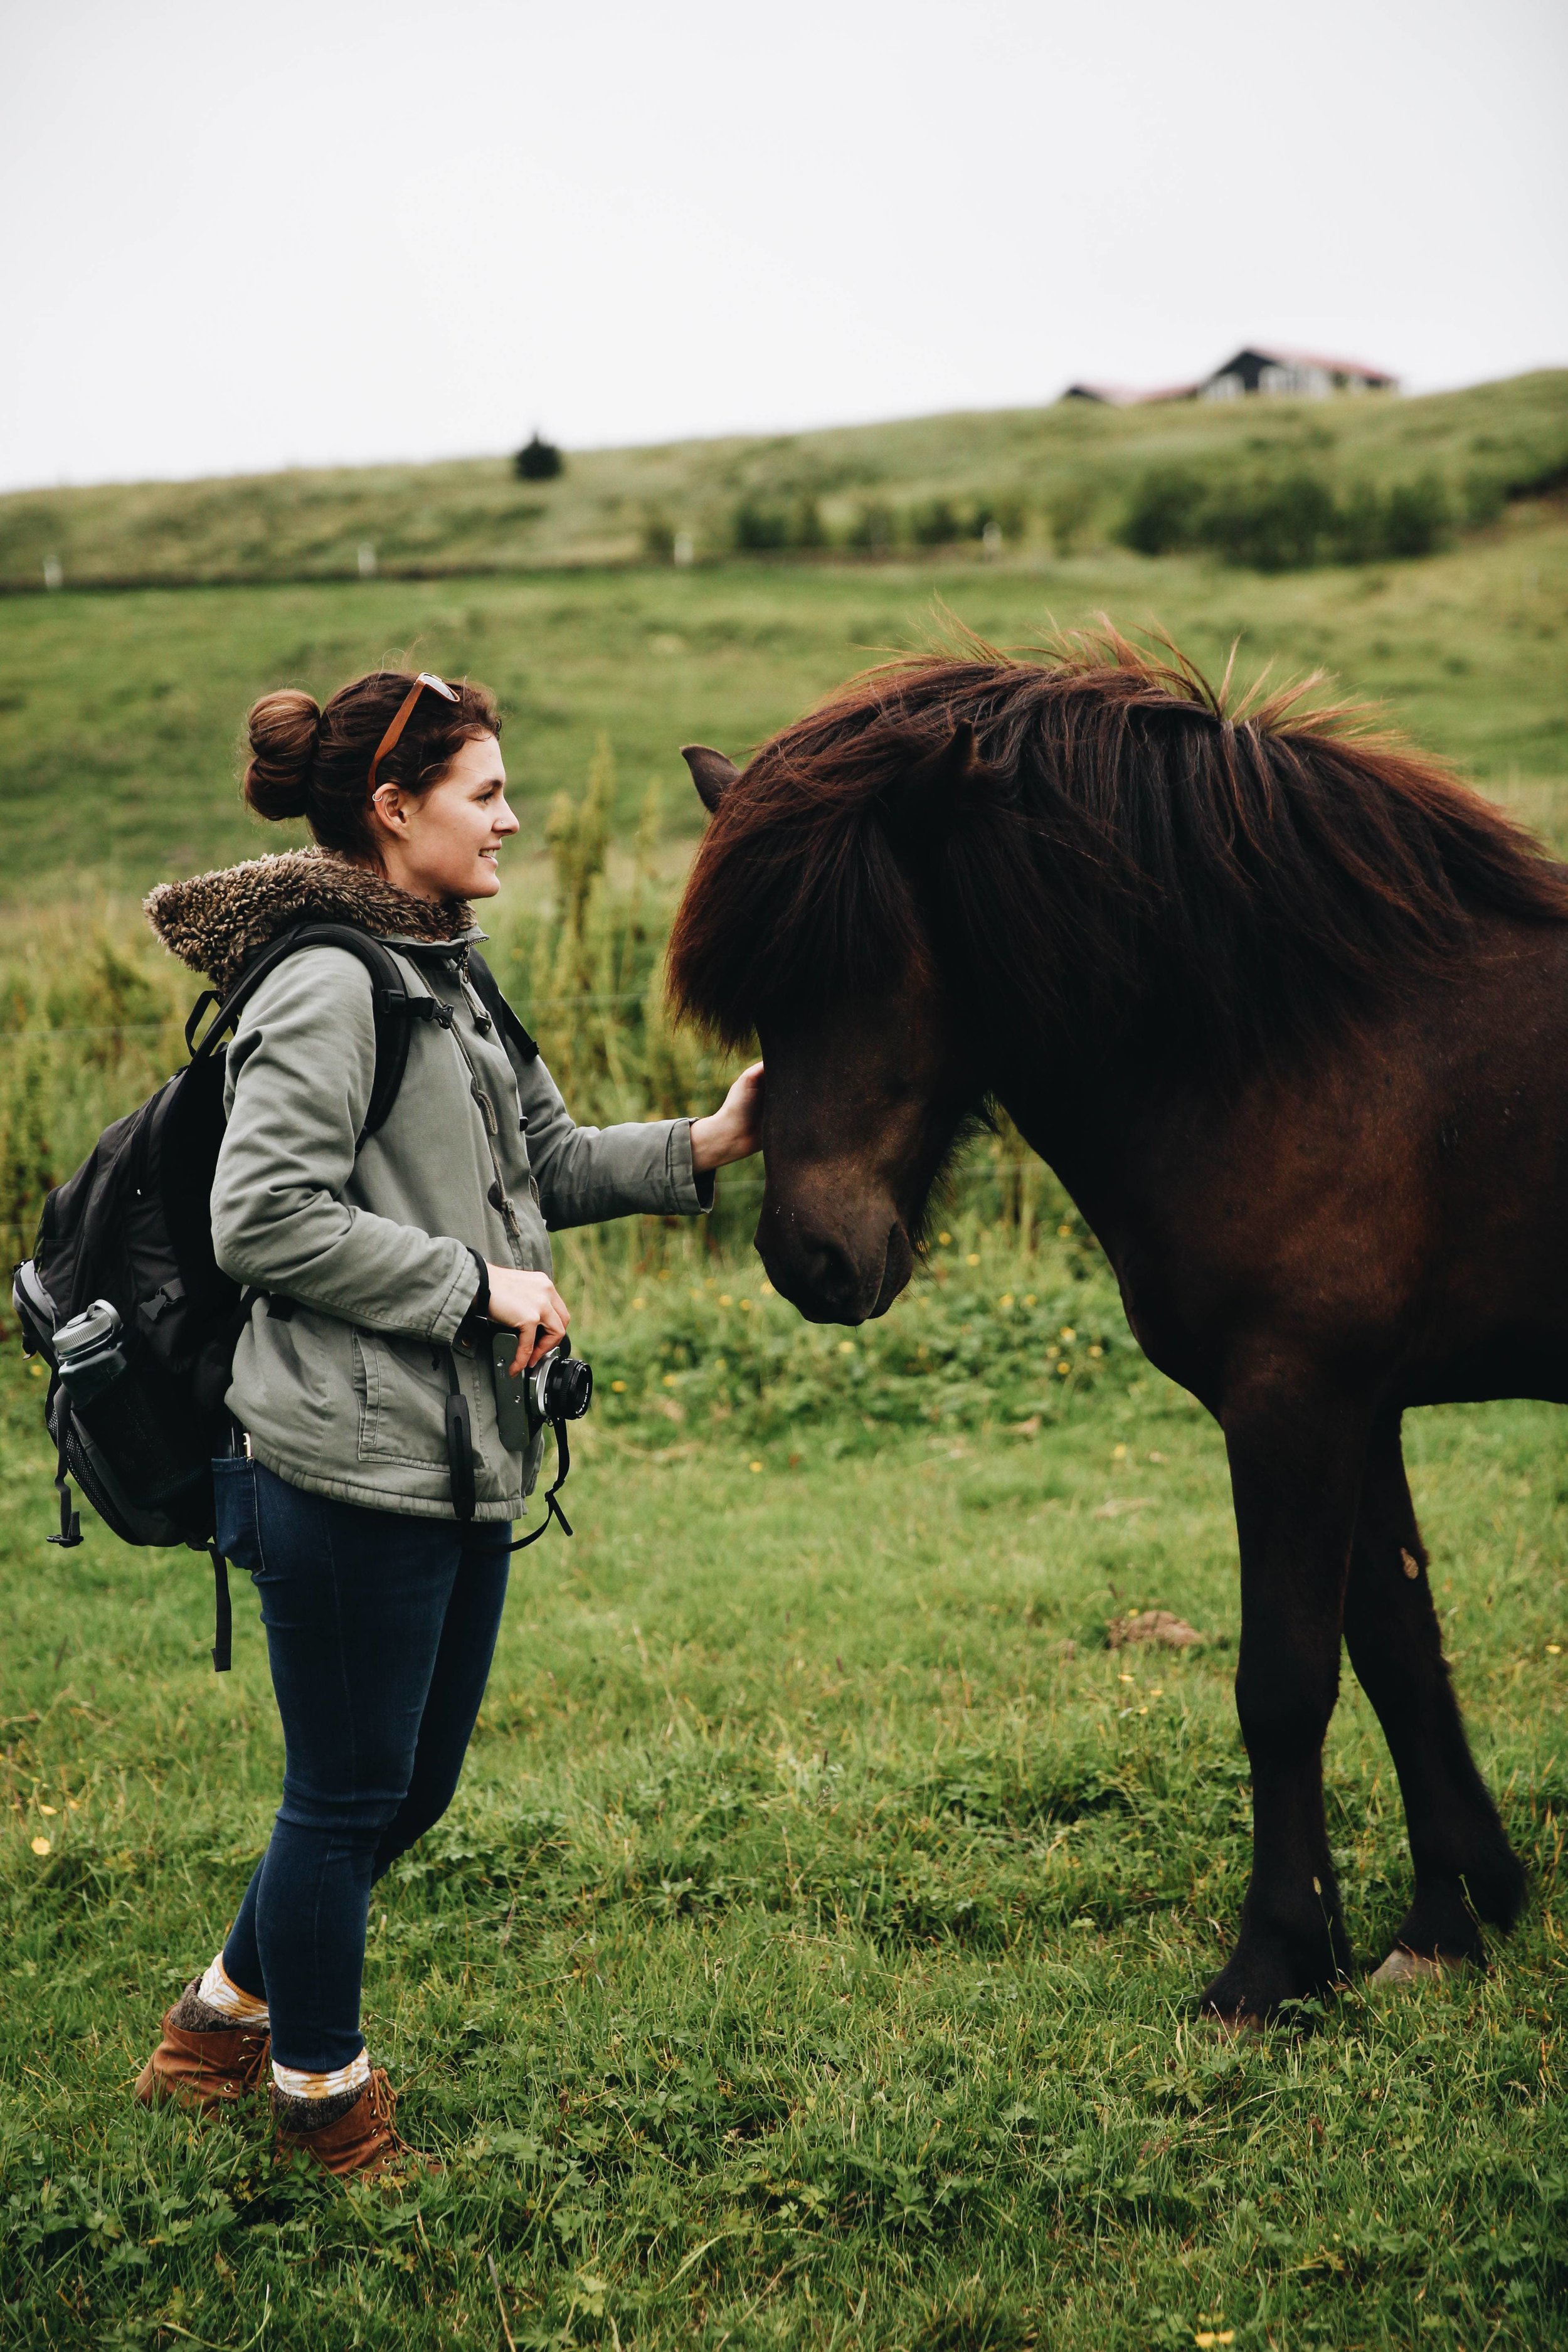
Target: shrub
[1166, 511]
[766, 525]
[872, 527]
[1278, 522]
[1003, 514]
[805, 524]
[539, 460]
[965, 1352]
[1418, 517]
[657, 538]
[1068, 511]
[934, 523]
[1540, 479]
[1360, 536]
[1282, 520]
[1484, 499]
[758, 527]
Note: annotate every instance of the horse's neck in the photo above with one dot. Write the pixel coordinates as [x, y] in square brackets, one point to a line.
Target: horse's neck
[1100, 1130]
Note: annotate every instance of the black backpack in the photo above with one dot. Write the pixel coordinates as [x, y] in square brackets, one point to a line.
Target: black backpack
[134, 1225]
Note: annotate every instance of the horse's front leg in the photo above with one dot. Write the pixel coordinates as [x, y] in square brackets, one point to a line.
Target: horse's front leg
[1296, 1464]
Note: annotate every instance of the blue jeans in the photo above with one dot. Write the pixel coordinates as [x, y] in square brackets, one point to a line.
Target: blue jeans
[380, 1632]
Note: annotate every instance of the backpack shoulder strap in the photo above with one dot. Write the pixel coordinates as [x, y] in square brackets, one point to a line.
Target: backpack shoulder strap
[393, 1005]
[488, 989]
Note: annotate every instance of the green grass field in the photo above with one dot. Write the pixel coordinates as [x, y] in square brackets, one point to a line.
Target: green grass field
[809, 1958]
[121, 717]
[811, 1955]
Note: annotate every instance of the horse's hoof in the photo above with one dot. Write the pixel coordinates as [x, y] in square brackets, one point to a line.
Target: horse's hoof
[1264, 1989]
[1403, 1967]
[1238, 2025]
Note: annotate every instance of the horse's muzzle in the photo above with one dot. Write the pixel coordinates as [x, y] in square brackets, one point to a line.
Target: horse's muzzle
[833, 1272]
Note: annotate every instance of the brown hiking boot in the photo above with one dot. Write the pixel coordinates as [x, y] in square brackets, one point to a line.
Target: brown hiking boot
[205, 2071]
[362, 2142]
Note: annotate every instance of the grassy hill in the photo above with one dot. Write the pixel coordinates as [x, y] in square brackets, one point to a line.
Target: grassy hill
[120, 712]
[1051, 480]
[812, 1946]
[120, 715]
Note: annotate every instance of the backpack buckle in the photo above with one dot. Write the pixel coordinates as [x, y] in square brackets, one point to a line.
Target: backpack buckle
[208, 996]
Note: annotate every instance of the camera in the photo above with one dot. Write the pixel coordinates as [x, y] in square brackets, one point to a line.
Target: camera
[559, 1388]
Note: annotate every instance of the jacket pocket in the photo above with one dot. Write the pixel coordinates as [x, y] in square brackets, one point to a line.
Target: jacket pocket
[401, 1389]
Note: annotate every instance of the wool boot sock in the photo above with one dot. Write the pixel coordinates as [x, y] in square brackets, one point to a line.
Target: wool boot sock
[304, 2102]
[214, 2003]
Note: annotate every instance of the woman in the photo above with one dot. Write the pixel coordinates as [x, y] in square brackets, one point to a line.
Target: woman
[380, 1261]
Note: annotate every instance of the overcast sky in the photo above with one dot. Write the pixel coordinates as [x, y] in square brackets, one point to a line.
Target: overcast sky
[243, 238]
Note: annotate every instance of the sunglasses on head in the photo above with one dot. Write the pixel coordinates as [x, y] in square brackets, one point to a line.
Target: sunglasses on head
[424, 679]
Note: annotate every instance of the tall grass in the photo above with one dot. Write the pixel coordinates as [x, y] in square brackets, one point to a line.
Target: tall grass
[94, 1011]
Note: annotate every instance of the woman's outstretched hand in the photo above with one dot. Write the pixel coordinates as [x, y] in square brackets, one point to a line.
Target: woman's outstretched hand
[529, 1304]
[736, 1129]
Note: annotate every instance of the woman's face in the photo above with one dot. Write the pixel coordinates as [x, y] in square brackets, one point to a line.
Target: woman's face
[444, 843]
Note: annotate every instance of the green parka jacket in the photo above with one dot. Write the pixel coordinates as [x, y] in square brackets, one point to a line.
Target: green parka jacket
[343, 1391]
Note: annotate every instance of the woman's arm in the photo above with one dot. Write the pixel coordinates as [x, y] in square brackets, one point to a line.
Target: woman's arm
[587, 1173]
[531, 1305]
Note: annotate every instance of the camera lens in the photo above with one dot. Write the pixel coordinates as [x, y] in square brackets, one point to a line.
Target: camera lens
[568, 1389]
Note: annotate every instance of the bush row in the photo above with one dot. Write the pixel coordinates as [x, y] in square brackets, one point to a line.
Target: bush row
[696, 1354]
[1276, 517]
[877, 526]
[1283, 521]
[1270, 521]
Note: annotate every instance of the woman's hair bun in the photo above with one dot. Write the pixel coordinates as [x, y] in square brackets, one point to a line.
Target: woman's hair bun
[285, 728]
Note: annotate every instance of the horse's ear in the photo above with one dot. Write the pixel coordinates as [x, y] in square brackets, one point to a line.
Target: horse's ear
[711, 773]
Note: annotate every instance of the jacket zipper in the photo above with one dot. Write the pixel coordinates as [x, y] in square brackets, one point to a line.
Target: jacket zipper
[493, 1129]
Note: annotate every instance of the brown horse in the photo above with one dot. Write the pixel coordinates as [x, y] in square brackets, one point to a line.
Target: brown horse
[1286, 1008]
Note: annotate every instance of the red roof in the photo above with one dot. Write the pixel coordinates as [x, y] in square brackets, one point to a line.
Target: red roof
[1121, 395]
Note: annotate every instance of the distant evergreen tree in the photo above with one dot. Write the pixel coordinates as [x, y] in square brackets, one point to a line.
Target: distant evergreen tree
[539, 460]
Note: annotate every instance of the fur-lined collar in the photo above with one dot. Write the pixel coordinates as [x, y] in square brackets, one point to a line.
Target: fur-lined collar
[215, 922]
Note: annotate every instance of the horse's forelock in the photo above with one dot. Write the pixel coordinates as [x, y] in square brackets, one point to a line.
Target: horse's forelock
[795, 895]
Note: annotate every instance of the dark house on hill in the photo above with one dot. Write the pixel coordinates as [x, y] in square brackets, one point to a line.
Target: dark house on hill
[1300, 375]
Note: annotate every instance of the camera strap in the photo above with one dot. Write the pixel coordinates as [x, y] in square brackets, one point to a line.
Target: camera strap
[552, 1509]
[460, 1444]
[460, 1463]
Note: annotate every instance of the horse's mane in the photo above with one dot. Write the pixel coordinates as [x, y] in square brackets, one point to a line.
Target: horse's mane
[1129, 859]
